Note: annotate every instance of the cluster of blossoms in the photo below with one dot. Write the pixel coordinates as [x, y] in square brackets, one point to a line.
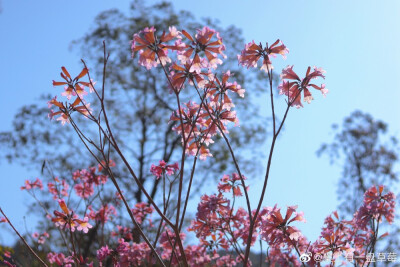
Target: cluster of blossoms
[153, 49]
[58, 188]
[41, 238]
[252, 53]
[292, 85]
[126, 251]
[141, 210]
[105, 213]
[86, 180]
[72, 88]
[67, 219]
[162, 168]
[31, 185]
[219, 225]
[354, 237]
[229, 183]
[196, 57]
[60, 259]
[376, 205]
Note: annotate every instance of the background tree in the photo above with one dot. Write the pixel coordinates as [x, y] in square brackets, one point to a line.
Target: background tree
[368, 155]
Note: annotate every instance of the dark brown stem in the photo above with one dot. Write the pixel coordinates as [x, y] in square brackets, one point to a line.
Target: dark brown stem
[254, 220]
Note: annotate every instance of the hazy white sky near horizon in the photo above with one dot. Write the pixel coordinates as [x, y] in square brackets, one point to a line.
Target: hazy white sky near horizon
[356, 42]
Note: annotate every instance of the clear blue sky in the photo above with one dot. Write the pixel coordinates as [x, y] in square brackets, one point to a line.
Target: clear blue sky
[356, 42]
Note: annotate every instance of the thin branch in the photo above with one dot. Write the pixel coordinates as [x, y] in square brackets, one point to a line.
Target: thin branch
[23, 240]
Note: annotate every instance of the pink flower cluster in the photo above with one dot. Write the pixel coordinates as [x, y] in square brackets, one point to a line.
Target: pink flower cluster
[353, 237]
[68, 220]
[105, 213]
[253, 52]
[58, 189]
[229, 183]
[72, 88]
[196, 58]
[141, 210]
[60, 259]
[154, 49]
[162, 168]
[292, 85]
[31, 185]
[88, 179]
[41, 238]
[376, 205]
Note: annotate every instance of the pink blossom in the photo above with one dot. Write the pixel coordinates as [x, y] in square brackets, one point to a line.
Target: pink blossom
[292, 85]
[30, 185]
[67, 219]
[141, 210]
[276, 230]
[103, 253]
[162, 168]
[41, 237]
[253, 52]
[60, 259]
[376, 205]
[84, 190]
[153, 50]
[227, 184]
[226, 260]
[103, 214]
[205, 42]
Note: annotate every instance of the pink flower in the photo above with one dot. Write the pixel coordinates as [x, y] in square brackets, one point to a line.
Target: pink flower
[90, 176]
[227, 184]
[83, 225]
[376, 205]
[69, 219]
[7, 254]
[41, 237]
[190, 71]
[197, 256]
[60, 259]
[141, 210]
[63, 118]
[253, 52]
[210, 210]
[334, 242]
[292, 85]
[124, 232]
[162, 168]
[226, 260]
[54, 188]
[218, 91]
[103, 253]
[72, 87]
[152, 49]
[203, 42]
[84, 190]
[30, 185]
[103, 214]
[276, 230]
